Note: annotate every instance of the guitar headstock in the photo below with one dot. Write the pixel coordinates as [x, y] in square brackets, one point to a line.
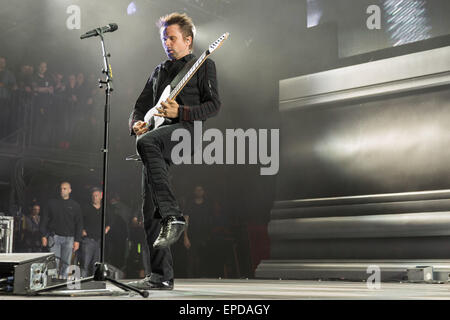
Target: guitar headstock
[216, 44]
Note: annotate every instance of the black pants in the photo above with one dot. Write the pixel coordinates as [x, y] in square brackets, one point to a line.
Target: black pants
[90, 254]
[154, 148]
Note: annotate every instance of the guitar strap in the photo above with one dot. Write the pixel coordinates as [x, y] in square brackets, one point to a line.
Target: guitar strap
[182, 73]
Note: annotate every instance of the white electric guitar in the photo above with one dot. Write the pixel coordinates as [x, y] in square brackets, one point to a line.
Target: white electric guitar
[151, 121]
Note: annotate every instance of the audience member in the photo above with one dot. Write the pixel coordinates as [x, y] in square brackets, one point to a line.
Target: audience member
[61, 227]
[31, 230]
[119, 208]
[83, 91]
[198, 214]
[25, 79]
[7, 85]
[71, 89]
[43, 92]
[116, 241]
[60, 115]
[206, 238]
[92, 226]
[138, 260]
[60, 86]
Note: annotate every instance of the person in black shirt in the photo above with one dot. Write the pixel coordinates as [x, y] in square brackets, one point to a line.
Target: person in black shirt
[208, 239]
[7, 86]
[199, 213]
[31, 231]
[138, 260]
[72, 109]
[92, 224]
[42, 113]
[61, 227]
[199, 100]
[117, 241]
[25, 79]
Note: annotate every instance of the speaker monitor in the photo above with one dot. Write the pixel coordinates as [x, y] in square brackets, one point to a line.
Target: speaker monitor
[27, 272]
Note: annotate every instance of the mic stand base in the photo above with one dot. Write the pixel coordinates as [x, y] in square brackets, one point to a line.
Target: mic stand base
[101, 273]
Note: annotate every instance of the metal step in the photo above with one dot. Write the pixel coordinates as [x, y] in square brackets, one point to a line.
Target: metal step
[351, 270]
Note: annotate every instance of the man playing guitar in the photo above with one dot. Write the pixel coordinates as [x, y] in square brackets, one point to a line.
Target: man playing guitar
[199, 100]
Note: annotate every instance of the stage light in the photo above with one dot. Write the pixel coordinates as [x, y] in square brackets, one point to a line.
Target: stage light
[314, 13]
[131, 9]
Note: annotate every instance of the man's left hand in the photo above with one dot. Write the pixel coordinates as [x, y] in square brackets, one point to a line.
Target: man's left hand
[168, 109]
[76, 246]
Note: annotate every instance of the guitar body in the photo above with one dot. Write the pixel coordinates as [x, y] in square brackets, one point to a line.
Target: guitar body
[153, 121]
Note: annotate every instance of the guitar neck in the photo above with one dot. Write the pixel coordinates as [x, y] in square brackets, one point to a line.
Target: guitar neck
[174, 93]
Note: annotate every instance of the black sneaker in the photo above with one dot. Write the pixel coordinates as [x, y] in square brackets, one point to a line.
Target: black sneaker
[171, 230]
[146, 284]
[143, 284]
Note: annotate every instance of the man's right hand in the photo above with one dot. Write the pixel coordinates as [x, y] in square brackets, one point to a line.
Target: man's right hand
[44, 241]
[139, 128]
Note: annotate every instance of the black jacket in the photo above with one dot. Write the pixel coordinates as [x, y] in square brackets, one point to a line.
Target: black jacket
[62, 217]
[198, 100]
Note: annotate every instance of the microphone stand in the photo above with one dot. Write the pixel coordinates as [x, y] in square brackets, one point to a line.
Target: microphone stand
[101, 272]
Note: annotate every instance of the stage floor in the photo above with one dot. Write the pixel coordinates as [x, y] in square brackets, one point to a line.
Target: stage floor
[227, 289]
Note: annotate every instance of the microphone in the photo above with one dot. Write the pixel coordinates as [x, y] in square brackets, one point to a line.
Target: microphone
[93, 33]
